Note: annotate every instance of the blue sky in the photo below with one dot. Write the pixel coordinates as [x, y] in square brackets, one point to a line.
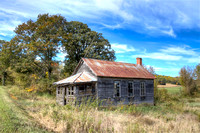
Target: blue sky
[165, 33]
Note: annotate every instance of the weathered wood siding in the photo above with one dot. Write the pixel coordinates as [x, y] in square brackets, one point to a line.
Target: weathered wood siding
[87, 93]
[84, 68]
[106, 90]
[60, 98]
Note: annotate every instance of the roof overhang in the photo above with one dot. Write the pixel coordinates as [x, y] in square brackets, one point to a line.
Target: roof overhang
[83, 77]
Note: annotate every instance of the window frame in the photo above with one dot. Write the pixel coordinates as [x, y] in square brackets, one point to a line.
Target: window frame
[133, 93]
[142, 86]
[71, 90]
[60, 90]
[115, 89]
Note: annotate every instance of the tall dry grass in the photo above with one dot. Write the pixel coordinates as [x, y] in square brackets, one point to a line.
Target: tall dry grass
[174, 115]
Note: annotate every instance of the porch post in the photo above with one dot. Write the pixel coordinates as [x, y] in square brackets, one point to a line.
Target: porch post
[75, 91]
[96, 90]
[63, 95]
[57, 94]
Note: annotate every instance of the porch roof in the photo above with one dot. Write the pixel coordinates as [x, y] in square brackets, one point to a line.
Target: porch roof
[78, 78]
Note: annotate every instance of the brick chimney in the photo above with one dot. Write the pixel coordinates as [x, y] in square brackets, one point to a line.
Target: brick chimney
[139, 61]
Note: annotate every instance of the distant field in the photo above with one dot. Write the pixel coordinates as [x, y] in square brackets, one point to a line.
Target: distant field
[171, 88]
[168, 85]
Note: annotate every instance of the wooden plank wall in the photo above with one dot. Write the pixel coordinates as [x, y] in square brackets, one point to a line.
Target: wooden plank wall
[106, 91]
[85, 68]
[60, 97]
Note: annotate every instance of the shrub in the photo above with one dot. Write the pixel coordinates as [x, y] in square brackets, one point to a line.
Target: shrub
[162, 95]
[45, 85]
[187, 80]
[21, 80]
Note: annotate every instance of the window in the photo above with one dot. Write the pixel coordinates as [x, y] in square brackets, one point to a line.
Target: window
[130, 89]
[71, 90]
[59, 90]
[117, 89]
[142, 89]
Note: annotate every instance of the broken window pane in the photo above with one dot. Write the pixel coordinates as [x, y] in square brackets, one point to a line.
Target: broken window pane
[117, 88]
[130, 89]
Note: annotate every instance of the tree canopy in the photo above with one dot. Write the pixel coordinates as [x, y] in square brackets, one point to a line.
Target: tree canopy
[80, 41]
[33, 51]
[41, 40]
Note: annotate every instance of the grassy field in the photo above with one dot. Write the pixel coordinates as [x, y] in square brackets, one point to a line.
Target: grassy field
[13, 118]
[172, 90]
[177, 114]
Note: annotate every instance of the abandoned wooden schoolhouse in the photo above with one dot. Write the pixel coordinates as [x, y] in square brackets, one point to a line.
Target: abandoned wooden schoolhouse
[114, 82]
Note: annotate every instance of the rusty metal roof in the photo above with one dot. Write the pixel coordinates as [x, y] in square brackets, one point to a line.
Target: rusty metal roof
[78, 78]
[104, 68]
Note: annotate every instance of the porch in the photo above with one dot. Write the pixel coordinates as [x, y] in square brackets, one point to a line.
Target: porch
[75, 88]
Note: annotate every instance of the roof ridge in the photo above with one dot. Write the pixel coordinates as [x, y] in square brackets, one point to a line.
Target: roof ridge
[107, 68]
[109, 61]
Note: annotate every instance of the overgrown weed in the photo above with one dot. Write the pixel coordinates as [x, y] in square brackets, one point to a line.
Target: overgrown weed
[171, 111]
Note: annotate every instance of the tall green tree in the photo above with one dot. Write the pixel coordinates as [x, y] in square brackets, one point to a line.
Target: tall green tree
[80, 41]
[187, 80]
[40, 41]
[7, 58]
[4, 61]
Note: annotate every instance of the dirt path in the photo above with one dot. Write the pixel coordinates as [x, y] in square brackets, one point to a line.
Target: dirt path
[14, 119]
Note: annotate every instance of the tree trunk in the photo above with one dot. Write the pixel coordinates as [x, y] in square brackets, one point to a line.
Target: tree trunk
[4, 78]
[49, 72]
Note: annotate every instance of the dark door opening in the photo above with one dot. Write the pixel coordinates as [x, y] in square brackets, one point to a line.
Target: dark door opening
[65, 94]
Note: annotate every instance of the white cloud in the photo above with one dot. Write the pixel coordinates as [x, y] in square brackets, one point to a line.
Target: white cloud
[3, 34]
[175, 50]
[122, 48]
[116, 7]
[170, 32]
[117, 26]
[182, 54]
[159, 56]
[161, 69]
[151, 17]
[169, 71]
[13, 11]
[171, 63]
[193, 59]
